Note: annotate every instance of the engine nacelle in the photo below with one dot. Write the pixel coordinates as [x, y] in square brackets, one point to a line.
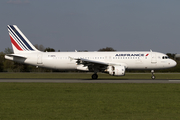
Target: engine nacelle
[116, 70]
[82, 67]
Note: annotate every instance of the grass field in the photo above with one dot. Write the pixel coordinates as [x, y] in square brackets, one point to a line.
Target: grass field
[89, 101]
[84, 101]
[88, 75]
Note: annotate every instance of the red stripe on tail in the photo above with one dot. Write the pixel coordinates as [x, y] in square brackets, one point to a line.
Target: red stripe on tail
[15, 44]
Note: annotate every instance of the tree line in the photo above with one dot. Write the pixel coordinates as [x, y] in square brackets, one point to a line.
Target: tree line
[11, 66]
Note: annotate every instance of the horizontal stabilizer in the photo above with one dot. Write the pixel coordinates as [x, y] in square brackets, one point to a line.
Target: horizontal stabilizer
[15, 55]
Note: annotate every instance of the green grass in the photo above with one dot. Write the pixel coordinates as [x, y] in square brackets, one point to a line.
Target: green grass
[84, 101]
[88, 75]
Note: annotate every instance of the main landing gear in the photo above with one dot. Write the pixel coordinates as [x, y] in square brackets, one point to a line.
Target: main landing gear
[94, 76]
[153, 76]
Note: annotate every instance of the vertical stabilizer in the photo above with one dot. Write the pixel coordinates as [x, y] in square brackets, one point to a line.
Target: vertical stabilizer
[19, 41]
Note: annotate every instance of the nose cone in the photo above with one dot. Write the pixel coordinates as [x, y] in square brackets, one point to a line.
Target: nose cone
[173, 63]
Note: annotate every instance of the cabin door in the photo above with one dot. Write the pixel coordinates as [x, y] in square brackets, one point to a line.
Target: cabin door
[153, 58]
[39, 59]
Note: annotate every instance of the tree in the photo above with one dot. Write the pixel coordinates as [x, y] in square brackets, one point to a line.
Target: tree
[107, 49]
[172, 56]
[81, 50]
[1, 61]
[8, 51]
[39, 47]
[8, 66]
[49, 50]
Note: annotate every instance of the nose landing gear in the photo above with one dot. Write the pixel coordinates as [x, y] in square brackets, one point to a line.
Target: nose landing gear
[153, 76]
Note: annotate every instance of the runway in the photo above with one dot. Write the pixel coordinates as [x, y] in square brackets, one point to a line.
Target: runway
[84, 81]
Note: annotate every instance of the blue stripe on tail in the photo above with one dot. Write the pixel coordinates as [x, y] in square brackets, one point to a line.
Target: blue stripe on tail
[19, 42]
[24, 41]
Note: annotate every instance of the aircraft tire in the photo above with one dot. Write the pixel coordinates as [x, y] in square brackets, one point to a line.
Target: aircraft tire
[153, 77]
[94, 76]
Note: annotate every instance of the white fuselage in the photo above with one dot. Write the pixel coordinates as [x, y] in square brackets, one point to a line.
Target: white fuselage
[115, 63]
[63, 61]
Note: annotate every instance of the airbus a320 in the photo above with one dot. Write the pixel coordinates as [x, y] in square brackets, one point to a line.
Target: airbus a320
[113, 63]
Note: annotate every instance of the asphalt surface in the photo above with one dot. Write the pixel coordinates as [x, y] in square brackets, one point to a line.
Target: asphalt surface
[84, 81]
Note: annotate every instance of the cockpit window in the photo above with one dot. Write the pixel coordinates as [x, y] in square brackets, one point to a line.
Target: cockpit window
[165, 57]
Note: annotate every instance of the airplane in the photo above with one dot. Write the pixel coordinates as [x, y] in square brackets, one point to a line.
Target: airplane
[113, 63]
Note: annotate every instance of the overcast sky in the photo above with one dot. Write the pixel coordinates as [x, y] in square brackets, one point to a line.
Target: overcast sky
[66, 25]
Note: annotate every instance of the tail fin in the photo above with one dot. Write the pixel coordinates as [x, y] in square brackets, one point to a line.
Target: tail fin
[19, 41]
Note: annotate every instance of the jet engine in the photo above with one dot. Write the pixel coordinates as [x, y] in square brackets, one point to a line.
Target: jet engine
[116, 70]
[82, 67]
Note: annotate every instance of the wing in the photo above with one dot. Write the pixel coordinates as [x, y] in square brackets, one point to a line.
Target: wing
[98, 66]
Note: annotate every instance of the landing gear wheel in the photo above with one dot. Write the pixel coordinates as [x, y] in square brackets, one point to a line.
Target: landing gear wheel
[94, 76]
[153, 77]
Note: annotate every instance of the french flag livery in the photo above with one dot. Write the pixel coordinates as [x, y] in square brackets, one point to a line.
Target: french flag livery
[114, 63]
[19, 40]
